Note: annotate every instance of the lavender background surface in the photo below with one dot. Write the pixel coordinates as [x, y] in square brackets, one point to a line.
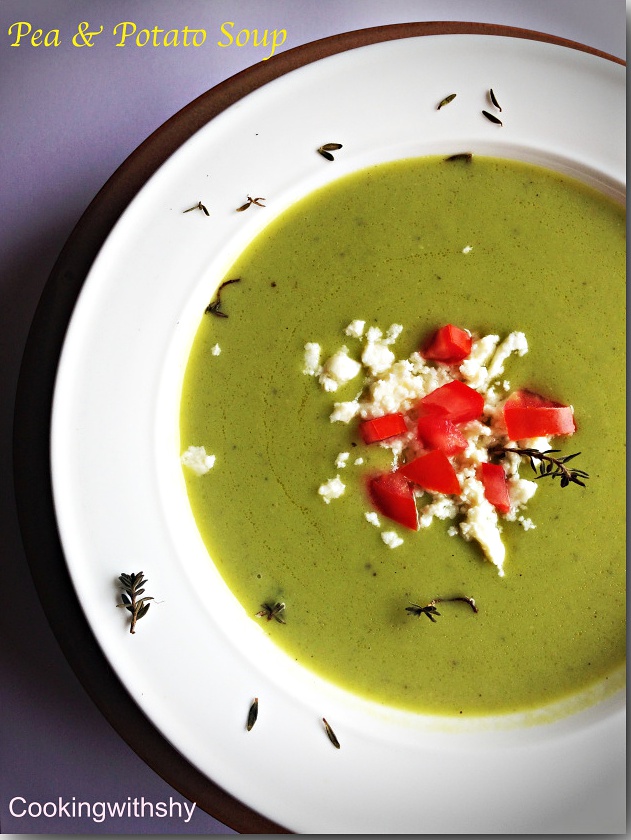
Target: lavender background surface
[68, 118]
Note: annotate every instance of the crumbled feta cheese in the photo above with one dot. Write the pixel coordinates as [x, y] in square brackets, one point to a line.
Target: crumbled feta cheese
[391, 539]
[515, 342]
[355, 329]
[196, 459]
[467, 249]
[338, 370]
[332, 489]
[393, 385]
[312, 359]
[215, 350]
[358, 462]
[392, 333]
[343, 412]
[442, 507]
[377, 357]
[342, 460]
[401, 387]
[481, 524]
[373, 334]
[473, 369]
[521, 490]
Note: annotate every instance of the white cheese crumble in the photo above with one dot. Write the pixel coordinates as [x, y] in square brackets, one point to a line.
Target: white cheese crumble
[355, 329]
[312, 359]
[391, 539]
[373, 518]
[392, 385]
[215, 350]
[338, 370]
[467, 249]
[342, 460]
[332, 489]
[196, 459]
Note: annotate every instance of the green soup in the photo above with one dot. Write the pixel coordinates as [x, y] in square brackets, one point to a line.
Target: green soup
[491, 245]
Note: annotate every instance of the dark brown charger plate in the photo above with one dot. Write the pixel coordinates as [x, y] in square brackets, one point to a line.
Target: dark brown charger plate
[36, 386]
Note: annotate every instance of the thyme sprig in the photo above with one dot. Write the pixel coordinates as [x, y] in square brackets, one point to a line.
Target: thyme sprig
[430, 609]
[214, 307]
[270, 611]
[545, 464]
[138, 607]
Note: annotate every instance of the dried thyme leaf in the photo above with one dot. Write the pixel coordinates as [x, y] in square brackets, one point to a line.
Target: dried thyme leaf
[494, 100]
[326, 149]
[332, 736]
[467, 157]
[253, 713]
[251, 201]
[198, 206]
[446, 101]
[492, 118]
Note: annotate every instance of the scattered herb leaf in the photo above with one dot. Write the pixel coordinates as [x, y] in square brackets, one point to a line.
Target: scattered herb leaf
[251, 201]
[446, 101]
[198, 206]
[494, 100]
[548, 466]
[138, 607]
[326, 149]
[492, 118]
[270, 611]
[467, 157]
[253, 714]
[430, 609]
[214, 307]
[331, 734]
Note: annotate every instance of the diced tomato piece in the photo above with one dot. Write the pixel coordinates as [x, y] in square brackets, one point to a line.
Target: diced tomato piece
[381, 428]
[432, 471]
[392, 495]
[436, 432]
[495, 486]
[529, 415]
[449, 344]
[455, 401]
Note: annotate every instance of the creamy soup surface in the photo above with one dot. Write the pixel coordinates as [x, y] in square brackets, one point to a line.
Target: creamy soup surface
[493, 246]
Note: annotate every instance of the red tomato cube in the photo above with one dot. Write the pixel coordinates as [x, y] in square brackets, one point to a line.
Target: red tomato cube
[529, 415]
[432, 471]
[436, 432]
[496, 486]
[393, 496]
[455, 401]
[382, 428]
[449, 345]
